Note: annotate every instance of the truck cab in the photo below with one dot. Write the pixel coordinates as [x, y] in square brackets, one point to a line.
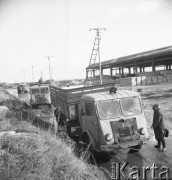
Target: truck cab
[113, 120]
[40, 95]
[22, 88]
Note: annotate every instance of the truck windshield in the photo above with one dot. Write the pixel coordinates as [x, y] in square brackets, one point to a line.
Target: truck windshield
[131, 106]
[35, 91]
[108, 109]
[44, 90]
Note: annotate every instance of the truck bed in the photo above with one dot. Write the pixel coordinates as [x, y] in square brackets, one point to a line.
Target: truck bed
[73, 95]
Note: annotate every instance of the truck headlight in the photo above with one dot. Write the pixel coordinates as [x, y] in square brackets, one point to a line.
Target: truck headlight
[109, 137]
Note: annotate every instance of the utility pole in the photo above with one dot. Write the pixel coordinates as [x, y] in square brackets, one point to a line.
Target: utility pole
[41, 74]
[51, 73]
[0, 74]
[98, 48]
[32, 74]
[24, 75]
[49, 66]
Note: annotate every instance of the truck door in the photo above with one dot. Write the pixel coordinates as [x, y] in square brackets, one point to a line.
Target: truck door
[89, 120]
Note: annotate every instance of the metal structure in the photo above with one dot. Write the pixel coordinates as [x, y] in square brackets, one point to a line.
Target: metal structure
[137, 64]
[90, 73]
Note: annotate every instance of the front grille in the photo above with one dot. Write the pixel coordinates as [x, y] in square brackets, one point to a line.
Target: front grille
[124, 130]
[39, 99]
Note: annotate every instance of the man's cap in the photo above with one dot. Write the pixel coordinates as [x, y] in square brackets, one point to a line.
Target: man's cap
[156, 105]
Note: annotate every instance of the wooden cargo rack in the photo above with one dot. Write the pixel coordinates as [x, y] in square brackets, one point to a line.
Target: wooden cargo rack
[73, 95]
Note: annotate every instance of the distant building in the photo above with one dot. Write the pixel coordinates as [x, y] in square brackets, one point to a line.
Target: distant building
[151, 63]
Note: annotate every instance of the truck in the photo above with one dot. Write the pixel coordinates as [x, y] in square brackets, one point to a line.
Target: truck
[23, 88]
[103, 119]
[40, 95]
[42, 108]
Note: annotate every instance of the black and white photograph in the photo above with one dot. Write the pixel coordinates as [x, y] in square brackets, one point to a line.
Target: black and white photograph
[85, 89]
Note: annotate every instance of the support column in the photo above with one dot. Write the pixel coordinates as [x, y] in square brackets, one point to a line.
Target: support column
[143, 69]
[135, 67]
[119, 70]
[102, 71]
[86, 74]
[153, 65]
[122, 71]
[166, 67]
[93, 72]
[111, 71]
[140, 69]
[129, 69]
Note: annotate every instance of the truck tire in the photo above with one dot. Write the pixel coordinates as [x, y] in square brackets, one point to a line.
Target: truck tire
[68, 128]
[89, 152]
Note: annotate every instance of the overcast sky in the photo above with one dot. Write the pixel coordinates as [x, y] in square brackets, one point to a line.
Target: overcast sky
[30, 30]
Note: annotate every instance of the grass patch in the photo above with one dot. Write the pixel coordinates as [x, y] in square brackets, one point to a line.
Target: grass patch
[39, 155]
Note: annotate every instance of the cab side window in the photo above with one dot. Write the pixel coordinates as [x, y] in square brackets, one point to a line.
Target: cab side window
[73, 111]
[89, 109]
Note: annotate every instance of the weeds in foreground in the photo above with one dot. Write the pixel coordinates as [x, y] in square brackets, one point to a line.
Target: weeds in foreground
[40, 155]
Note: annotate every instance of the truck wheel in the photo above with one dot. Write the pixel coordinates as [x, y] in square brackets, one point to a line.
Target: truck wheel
[88, 150]
[68, 130]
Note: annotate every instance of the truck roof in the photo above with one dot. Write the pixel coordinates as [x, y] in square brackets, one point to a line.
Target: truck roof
[23, 84]
[101, 96]
[38, 86]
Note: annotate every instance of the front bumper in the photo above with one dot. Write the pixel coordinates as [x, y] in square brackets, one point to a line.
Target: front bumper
[112, 147]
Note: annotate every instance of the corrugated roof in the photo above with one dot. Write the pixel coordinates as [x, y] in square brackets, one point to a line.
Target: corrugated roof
[107, 96]
[138, 56]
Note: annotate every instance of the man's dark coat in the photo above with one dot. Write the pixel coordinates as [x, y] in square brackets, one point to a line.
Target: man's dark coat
[158, 125]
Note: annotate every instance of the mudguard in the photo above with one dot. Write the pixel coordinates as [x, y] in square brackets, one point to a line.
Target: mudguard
[93, 142]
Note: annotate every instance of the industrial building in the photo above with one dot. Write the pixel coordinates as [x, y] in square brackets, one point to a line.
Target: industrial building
[145, 65]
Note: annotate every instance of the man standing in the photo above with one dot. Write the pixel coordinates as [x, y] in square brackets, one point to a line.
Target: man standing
[59, 116]
[41, 80]
[158, 126]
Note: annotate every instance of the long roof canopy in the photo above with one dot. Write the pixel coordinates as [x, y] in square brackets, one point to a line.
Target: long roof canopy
[160, 54]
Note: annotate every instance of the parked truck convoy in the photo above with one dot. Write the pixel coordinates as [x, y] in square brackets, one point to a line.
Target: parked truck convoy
[101, 118]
